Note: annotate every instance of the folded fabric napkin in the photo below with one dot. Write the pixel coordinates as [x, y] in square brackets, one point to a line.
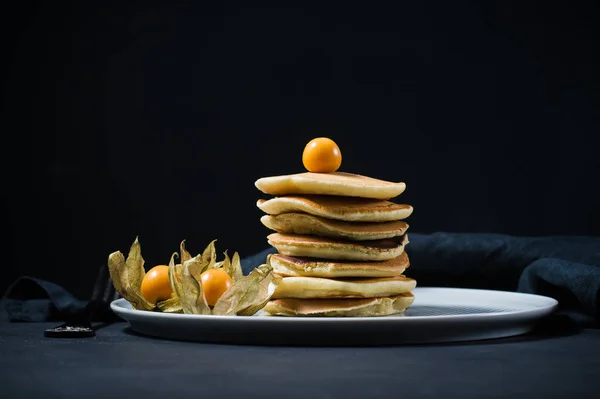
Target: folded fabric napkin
[37, 300]
[565, 268]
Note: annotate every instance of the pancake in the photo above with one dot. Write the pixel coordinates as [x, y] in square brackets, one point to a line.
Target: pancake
[340, 307]
[289, 266]
[326, 248]
[317, 287]
[302, 223]
[337, 183]
[349, 209]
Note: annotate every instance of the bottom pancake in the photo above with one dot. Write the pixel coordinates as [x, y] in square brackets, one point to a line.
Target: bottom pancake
[367, 307]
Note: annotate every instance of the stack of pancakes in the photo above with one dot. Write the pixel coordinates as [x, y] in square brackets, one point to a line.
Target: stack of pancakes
[340, 244]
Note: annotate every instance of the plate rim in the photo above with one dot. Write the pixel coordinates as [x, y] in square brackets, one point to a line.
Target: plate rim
[540, 310]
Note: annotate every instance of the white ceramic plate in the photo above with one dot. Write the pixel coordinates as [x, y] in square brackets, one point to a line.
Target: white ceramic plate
[437, 315]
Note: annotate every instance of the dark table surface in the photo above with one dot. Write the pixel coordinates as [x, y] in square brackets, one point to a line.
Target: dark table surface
[119, 363]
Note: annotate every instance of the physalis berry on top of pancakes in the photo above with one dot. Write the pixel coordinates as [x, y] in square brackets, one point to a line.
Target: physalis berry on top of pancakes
[322, 155]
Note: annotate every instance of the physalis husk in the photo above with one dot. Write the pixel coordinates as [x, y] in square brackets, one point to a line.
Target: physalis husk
[246, 295]
[127, 276]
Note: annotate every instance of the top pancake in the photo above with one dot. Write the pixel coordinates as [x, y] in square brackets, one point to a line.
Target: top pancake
[348, 209]
[337, 183]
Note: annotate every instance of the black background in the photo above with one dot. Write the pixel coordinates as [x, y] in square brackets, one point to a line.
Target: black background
[155, 118]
